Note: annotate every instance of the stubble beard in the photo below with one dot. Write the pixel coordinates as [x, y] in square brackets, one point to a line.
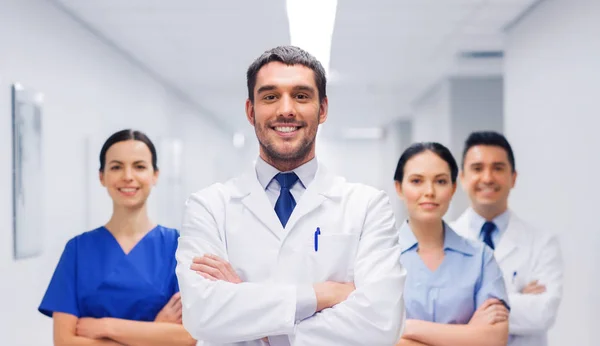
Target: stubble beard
[290, 159]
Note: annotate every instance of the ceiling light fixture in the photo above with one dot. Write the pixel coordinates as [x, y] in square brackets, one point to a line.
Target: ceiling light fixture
[311, 27]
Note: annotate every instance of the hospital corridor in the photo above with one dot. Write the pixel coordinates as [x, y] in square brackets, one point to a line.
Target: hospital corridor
[299, 172]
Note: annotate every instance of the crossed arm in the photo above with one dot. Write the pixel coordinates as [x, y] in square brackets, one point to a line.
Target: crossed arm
[69, 330]
[372, 314]
[213, 268]
[488, 326]
[534, 308]
[328, 294]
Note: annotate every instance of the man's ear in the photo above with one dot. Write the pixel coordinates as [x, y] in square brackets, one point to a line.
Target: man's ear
[250, 112]
[514, 179]
[323, 110]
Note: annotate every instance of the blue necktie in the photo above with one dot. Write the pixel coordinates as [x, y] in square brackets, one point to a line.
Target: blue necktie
[487, 229]
[285, 203]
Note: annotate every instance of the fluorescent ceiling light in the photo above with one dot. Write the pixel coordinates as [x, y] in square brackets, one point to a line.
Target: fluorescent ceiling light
[311, 27]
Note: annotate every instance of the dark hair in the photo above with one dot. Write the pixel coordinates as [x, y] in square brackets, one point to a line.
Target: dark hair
[289, 55]
[126, 135]
[489, 138]
[418, 148]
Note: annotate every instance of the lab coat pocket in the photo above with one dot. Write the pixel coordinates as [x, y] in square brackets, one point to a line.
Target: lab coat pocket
[333, 257]
[515, 280]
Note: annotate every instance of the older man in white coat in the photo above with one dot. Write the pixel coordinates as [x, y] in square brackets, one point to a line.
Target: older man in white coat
[288, 253]
[529, 258]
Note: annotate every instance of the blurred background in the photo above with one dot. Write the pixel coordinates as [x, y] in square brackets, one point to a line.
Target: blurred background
[399, 71]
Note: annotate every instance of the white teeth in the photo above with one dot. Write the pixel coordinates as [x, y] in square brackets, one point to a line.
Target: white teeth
[285, 129]
[127, 189]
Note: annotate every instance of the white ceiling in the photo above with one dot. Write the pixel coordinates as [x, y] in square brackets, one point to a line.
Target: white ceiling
[385, 53]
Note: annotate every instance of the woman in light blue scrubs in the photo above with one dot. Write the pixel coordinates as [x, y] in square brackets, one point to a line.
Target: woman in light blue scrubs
[454, 293]
[116, 284]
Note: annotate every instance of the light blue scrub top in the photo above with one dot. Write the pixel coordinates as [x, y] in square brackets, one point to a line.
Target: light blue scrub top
[468, 276]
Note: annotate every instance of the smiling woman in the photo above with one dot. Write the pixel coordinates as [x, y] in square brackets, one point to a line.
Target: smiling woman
[116, 285]
[128, 169]
[454, 292]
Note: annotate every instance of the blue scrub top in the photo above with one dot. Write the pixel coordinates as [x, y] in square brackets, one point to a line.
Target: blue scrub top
[467, 276]
[95, 278]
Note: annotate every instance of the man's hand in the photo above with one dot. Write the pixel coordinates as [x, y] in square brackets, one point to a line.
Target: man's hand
[533, 288]
[490, 312]
[332, 293]
[214, 268]
[171, 312]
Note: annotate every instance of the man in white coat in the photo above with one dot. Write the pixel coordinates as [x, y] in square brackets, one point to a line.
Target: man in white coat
[529, 258]
[288, 253]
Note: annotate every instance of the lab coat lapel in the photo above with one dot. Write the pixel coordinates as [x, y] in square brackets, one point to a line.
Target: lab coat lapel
[322, 188]
[254, 198]
[509, 241]
[462, 227]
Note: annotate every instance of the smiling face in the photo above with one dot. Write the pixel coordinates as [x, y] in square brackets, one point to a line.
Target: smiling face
[286, 113]
[128, 174]
[426, 187]
[488, 177]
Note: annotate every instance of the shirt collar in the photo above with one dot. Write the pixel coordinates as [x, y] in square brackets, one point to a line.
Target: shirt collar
[306, 173]
[476, 221]
[452, 241]
[407, 239]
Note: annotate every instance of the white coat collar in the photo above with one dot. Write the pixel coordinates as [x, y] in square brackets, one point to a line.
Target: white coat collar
[509, 240]
[250, 192]
[266, 173]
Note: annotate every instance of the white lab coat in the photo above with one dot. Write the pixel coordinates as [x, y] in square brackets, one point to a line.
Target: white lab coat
[532, 255]
[358, 243]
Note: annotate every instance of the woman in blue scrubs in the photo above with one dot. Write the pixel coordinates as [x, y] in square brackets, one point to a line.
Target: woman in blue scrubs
[454, 293]
[116, 285]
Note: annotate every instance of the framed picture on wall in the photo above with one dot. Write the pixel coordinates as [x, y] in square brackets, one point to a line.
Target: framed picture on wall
[28, 184]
